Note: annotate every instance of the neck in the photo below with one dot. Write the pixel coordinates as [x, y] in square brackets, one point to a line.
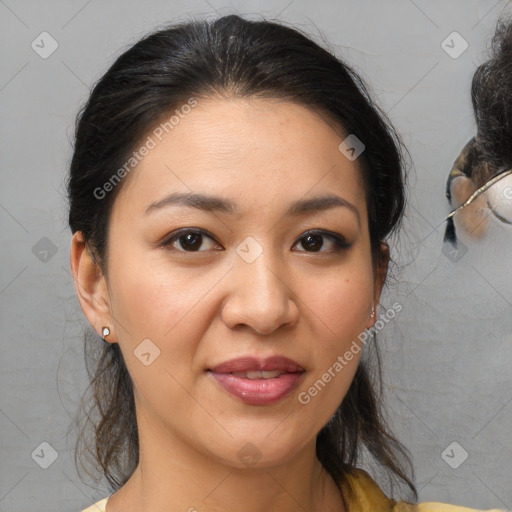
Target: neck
[173, 476]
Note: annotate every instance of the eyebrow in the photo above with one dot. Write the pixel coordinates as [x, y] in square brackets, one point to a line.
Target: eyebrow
[214, 203]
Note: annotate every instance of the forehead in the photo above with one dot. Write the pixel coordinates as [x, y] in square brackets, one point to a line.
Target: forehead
[261, 151]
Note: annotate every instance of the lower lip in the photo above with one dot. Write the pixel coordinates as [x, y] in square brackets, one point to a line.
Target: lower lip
[258, 391]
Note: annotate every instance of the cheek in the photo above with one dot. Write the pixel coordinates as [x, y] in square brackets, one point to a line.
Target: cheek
[342, 304]
[160, 321]
[156, 300]
[340, 310]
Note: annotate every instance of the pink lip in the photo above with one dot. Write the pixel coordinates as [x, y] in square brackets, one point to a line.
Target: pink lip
[247, 364]
[258, 391]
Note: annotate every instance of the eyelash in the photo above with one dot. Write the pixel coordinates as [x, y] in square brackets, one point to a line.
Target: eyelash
[339, 242]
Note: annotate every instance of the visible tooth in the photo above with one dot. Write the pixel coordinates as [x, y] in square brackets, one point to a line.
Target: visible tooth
[240, 375]
[257, 374]
[271, 374]
[267, 374]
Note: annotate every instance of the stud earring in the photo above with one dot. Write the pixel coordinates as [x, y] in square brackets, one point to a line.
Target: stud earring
[106, 332]
[373, 312]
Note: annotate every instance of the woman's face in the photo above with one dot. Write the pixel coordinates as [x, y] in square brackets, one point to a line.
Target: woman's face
[206, 293]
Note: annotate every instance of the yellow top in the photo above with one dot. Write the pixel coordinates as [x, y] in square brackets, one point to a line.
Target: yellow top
[362, 494]
[99, 506]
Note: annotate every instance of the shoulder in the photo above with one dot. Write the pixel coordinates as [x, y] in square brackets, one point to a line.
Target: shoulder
[99, 506]
[362, 494]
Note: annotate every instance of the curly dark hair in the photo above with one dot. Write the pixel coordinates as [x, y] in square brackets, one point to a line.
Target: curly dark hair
[234, 56]
[491, 95]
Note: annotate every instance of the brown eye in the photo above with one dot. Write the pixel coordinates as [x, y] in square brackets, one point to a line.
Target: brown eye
[192, 241]
[314, 241]
[188, 240]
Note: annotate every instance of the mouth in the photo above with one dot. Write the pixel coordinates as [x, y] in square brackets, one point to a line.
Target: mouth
[250, 364]
[258, 375]
[258, 381]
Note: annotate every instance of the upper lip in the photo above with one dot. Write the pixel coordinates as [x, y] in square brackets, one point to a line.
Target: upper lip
[249, 363]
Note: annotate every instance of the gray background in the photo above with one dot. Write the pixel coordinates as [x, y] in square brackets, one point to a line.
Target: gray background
[448, 354]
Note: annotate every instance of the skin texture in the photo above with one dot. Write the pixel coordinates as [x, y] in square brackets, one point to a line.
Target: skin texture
[201, 308]
[474, 218]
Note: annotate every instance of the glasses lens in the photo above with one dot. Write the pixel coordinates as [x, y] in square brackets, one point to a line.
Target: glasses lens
[499, 199]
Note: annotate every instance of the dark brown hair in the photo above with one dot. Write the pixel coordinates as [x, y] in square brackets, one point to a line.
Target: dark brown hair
[230, 56]
[491, 96]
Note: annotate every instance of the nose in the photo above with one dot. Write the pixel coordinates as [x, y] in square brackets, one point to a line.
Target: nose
[260, 298]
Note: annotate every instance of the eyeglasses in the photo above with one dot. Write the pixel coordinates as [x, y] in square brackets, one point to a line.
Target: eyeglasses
[499, 197]
[499, 200]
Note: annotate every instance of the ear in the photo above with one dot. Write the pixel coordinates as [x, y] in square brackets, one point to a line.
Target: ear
[380, 273]
[90, 285]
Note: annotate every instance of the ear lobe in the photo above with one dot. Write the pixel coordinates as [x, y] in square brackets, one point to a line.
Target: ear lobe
[90, 284]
